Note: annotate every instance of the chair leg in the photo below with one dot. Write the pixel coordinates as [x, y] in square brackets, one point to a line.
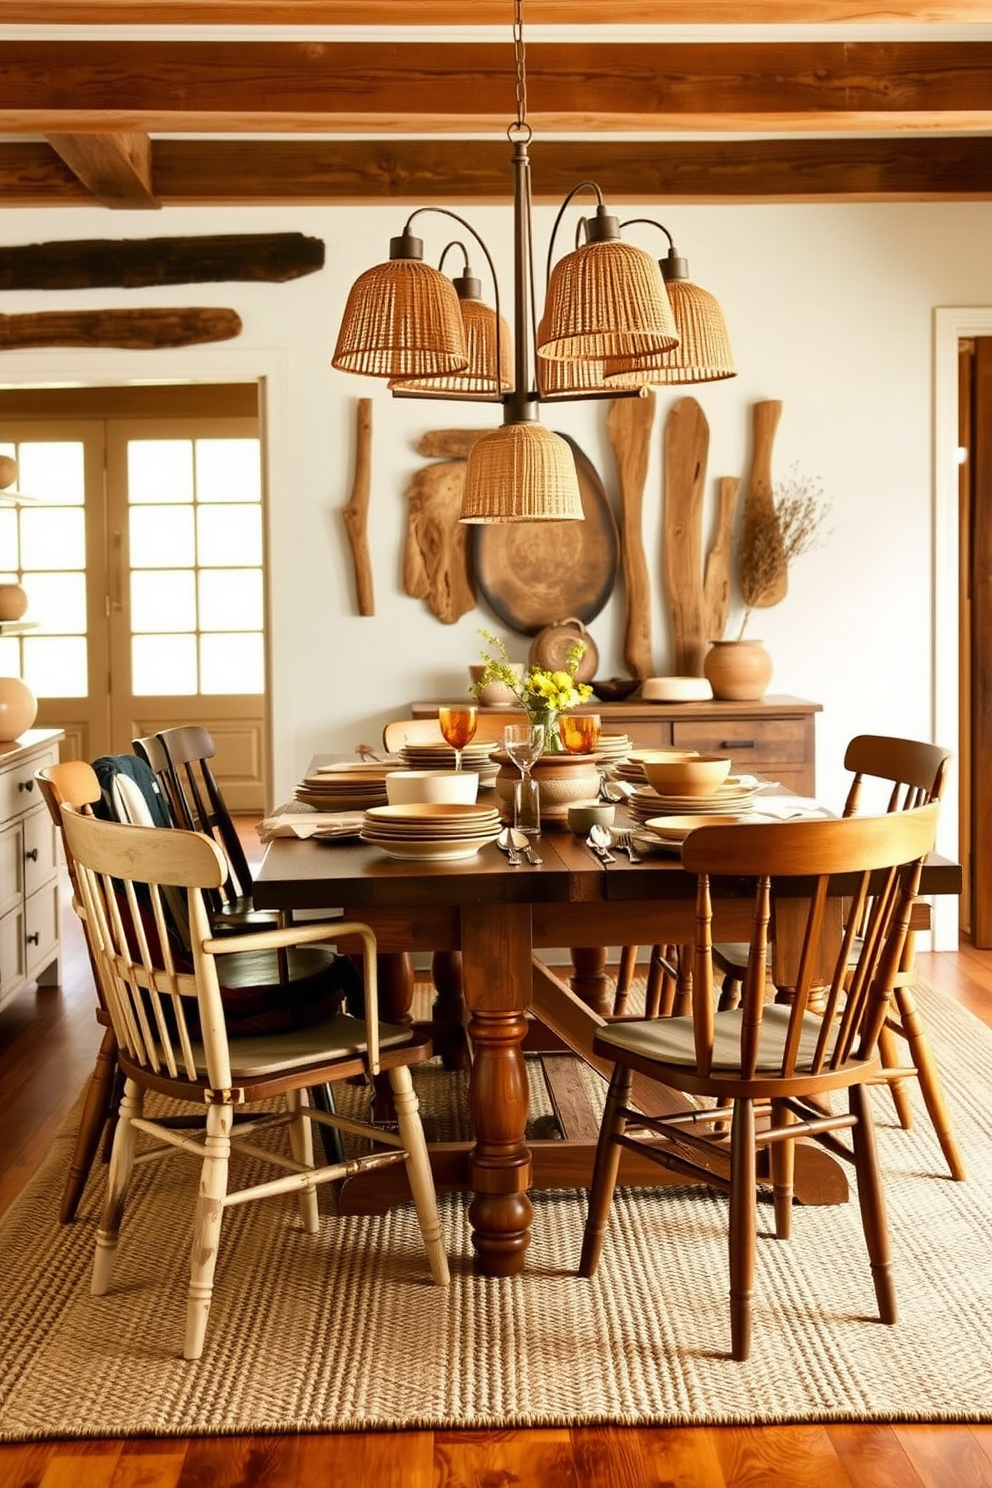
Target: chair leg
[121, 1165]
[96, 1108]
[783, 1158]
[898, 1088]
[872, 1201]
[605, 1169]
[929, 1078]
[206, 1226]
[418, 1170]
[301, 1143]
[322, 1099]
[743, 1226]
[625, 975]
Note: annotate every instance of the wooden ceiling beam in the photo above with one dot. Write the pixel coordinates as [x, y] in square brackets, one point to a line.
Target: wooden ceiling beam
[258, 87]
[116, 168]
[311, 13]
[348, 172]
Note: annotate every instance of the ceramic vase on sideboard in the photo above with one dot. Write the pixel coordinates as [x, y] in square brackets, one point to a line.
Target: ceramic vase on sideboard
[18, 708]
[738, 671]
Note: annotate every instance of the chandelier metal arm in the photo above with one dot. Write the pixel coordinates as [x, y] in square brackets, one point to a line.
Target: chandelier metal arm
[582, 186]
[673, 266]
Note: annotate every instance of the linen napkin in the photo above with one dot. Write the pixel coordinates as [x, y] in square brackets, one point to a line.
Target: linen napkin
[305, 824]
[789, 808]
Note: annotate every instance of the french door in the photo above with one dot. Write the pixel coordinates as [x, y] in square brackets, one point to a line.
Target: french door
[140, 546]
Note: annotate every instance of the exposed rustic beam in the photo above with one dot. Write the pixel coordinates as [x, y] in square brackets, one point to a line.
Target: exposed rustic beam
[133, 263]
[117, 168]
[346, 172]
[132, 13]
[134, 330]
[236, 87]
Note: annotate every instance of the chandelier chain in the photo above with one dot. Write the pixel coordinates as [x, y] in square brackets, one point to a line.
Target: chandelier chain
[521, 62]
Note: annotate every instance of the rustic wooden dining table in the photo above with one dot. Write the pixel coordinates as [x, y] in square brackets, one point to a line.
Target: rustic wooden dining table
[484, 923]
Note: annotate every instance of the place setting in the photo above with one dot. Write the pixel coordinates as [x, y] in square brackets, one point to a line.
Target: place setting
[348, 784]
[690, 785]
[459, 751]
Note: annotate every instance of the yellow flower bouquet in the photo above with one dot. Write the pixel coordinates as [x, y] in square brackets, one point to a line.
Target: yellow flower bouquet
[541, 694]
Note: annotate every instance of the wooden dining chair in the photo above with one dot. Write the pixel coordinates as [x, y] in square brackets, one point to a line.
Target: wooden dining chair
[174, 1041]
[782, 1055]
[891, 774]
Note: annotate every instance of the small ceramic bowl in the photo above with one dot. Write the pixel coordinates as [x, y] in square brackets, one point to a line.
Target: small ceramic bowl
[699, 775]
[447, 787]
[585, 814]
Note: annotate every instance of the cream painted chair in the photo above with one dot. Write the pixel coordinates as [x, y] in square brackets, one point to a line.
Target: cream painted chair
[172, 1037]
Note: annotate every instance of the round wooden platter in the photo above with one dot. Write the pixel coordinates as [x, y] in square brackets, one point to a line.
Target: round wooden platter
[534, 573]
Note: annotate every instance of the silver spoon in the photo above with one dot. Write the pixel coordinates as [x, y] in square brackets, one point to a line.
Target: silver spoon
[505, 841]
[521, 842]
[599, 841]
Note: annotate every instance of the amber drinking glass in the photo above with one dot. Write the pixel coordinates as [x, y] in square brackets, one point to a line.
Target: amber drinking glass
[458, 725]
[579, 732]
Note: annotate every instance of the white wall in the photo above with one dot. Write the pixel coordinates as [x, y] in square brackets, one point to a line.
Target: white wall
[830, 309]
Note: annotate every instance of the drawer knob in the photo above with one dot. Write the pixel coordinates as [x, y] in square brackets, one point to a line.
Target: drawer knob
[25, 785]
[31, 856]
[34, 939]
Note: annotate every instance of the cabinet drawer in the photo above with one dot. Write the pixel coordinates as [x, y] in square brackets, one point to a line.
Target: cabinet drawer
[12, 950]
[750, 743]
[40, 850]
[41, 929]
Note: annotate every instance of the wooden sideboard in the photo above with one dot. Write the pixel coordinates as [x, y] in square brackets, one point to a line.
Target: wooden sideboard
[30, 919]
[774, 737]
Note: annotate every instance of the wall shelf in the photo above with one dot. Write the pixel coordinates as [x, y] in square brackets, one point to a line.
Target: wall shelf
[17, 627]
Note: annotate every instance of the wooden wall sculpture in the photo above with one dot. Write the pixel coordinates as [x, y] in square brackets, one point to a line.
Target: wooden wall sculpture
[104, 263]
[134, 330]
[356, 512]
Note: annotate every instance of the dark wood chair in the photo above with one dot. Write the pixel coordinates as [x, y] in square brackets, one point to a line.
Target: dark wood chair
[890, 774]
[782, 1056]
[174, 1039]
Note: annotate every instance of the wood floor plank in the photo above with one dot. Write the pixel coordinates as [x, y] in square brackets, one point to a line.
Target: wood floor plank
[802, 1456]
[23, 1465]
[389, 1459]
[685, 1455]
[145, 1463]
[477, 1459]
[89, 1464]
[874, 1454]
[946, 1456]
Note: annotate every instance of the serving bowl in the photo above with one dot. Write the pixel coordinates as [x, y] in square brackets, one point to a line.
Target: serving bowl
[695, 775]
[443, 787]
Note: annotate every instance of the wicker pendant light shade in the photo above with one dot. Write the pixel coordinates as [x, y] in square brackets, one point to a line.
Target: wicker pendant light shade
[479, 378]
[401, 319]
[703, 354]
[607, 299]
[520, 473]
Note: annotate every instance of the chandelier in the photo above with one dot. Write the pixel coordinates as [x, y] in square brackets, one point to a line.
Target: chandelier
[614, 321]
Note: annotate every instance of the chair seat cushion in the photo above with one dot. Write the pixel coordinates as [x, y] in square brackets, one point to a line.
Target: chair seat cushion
[670, 1041]
[334, 1038]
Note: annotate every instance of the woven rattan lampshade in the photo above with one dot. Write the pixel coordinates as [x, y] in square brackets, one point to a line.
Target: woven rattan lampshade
[521, 472]
[703, 354]
[479, 377]
[402, 319]
[607, 299]
[563, 378]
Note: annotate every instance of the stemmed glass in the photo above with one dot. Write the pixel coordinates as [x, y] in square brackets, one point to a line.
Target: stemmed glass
[458, 725]
[579, 732]
[524, 743]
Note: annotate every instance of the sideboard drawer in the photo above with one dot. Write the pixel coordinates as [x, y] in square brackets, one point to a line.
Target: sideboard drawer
[756, 742]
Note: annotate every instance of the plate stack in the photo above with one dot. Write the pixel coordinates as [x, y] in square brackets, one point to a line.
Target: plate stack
[347, 786]
[733, 798]
[475, 756]
[612, 748]
[431, 832]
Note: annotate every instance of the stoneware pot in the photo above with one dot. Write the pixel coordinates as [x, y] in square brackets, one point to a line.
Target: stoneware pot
[738, 671]
[13, 601]
[561, 779]
[18, 708]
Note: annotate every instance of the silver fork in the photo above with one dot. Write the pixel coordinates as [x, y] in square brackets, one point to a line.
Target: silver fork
[623, 839]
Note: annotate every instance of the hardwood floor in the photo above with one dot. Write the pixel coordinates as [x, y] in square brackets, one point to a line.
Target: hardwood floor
[48, 1040]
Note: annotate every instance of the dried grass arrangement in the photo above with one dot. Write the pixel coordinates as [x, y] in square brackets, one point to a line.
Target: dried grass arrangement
[794, 525]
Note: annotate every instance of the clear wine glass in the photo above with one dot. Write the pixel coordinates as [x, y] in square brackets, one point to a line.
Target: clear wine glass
[458, 725]
[524, 743]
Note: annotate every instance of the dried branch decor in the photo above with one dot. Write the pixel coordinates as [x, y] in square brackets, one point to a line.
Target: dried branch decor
[778, 536]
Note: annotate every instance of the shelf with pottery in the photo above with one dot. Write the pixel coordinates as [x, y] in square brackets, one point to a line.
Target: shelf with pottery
[774, 737]
[30, 917]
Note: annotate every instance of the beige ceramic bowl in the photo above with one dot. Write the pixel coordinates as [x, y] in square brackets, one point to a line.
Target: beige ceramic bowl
[444, 787]
[700, 775]
[585, 814]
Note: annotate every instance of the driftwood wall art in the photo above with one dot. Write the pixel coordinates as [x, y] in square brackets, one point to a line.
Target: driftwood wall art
[629, 422]
[139, 262]
[356, 511]
[759, 498]
[437, 554]
[134, 330]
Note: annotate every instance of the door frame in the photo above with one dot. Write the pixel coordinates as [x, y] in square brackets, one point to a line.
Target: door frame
[270, 369]
[950, 325]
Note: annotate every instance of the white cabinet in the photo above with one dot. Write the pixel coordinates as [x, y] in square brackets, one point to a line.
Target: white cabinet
[30, 926]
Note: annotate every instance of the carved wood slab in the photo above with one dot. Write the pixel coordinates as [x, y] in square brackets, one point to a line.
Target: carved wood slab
[134, 330]
[437, 555]
[758, 493]
[716, 578]
[356, 512]
[687, 439]
[130, 264]
[629, 422]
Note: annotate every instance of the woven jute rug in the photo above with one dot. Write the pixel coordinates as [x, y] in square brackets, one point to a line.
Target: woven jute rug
[344, 1330]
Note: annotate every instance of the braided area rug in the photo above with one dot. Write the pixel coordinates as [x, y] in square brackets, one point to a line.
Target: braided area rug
[344, 1330]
